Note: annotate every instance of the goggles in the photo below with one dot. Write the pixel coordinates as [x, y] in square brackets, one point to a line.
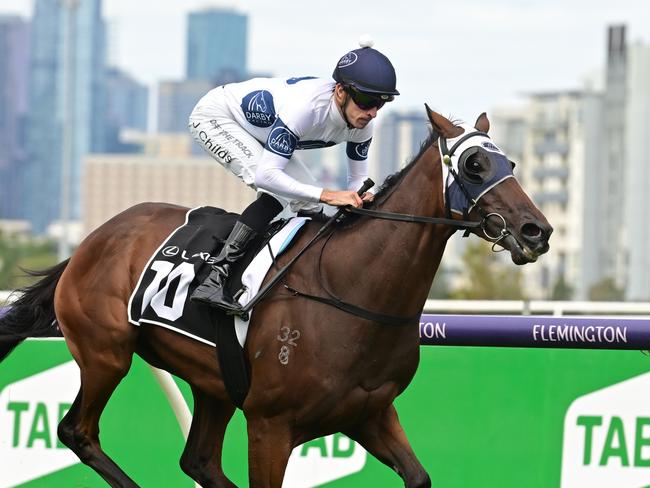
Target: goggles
[367, 101]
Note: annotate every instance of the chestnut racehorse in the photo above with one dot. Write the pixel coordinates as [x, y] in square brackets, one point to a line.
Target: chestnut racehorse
[342, 372]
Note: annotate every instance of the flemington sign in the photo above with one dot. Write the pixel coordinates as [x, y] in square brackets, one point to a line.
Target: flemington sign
[535, 331]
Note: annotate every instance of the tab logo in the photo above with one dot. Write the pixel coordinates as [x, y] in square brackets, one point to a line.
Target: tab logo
[607, 437]
[323, 460]
[30, 411]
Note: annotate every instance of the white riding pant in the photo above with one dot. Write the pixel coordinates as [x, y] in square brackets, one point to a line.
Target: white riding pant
[236, 150]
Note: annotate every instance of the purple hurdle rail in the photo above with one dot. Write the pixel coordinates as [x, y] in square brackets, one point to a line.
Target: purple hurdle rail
[532, 331]
[535, 331]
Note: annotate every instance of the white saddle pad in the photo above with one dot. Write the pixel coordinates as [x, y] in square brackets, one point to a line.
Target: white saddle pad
[254, 274]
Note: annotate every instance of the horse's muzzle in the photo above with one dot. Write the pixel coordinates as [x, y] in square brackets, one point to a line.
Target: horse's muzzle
[529, 242]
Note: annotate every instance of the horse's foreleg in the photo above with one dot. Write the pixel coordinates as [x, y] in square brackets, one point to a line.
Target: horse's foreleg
[269, 446]
[383, 437]
[201, 459]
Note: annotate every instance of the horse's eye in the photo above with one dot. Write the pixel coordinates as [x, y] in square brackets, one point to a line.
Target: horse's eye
[473, 168]
[473, 165]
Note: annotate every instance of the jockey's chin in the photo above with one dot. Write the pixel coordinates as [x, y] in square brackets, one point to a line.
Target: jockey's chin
[360, 123]
[358, 117]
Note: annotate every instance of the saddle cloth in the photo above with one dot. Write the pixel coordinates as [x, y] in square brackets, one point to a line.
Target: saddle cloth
[181, 263]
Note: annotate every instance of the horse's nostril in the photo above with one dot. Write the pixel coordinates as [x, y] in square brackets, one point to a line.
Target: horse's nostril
[532, 231]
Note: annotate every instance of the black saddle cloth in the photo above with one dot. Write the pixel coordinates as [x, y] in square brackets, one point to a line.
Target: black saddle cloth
[179, 265]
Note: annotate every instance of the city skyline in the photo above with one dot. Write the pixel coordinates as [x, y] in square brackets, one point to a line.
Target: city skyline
[501, 50]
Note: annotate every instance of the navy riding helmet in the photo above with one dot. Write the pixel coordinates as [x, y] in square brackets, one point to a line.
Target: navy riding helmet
[367, 70]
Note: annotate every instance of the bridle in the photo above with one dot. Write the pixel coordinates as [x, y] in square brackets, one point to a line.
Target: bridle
[468, 225]
[447, 161]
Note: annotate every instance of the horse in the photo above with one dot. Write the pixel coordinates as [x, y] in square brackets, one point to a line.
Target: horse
[342, 370]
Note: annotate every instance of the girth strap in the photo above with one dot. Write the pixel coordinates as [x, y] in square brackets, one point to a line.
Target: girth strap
[354, 310]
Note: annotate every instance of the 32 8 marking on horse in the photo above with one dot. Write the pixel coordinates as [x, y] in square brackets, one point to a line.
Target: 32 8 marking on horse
[289, 337]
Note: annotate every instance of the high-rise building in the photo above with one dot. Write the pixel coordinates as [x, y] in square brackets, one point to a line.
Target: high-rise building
[610, 244]
[176, 100]
[396, 141]
[14, 53]
[637, 172]
[618, 244]
[67, 38]
[594, 240]
[127, 104]
[561, 147]
[508, 131]
[217, 41]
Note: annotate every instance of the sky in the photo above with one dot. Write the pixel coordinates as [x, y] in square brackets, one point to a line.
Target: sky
[462, 57]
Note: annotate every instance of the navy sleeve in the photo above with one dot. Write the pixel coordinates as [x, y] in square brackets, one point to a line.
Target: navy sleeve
[358, 151]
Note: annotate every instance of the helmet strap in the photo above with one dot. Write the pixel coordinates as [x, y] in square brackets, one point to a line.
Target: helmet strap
[343, 106]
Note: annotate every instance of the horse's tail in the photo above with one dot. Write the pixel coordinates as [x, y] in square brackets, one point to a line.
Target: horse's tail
[32, 314]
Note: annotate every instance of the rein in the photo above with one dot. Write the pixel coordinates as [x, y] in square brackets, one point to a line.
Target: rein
[393, 320]
[340, 304]
[377, 214]
[350, 308]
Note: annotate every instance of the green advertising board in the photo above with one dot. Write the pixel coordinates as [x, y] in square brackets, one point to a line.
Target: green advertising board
[476, 417]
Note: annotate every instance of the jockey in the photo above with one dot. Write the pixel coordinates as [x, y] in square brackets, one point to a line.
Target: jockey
[252, 128]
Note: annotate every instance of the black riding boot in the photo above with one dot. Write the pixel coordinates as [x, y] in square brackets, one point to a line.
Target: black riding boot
[212, 290]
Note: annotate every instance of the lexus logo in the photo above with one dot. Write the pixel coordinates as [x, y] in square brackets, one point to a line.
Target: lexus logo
[170, 251]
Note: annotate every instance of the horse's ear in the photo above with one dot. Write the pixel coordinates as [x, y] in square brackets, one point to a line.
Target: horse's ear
[439, 124]
[482, 123]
